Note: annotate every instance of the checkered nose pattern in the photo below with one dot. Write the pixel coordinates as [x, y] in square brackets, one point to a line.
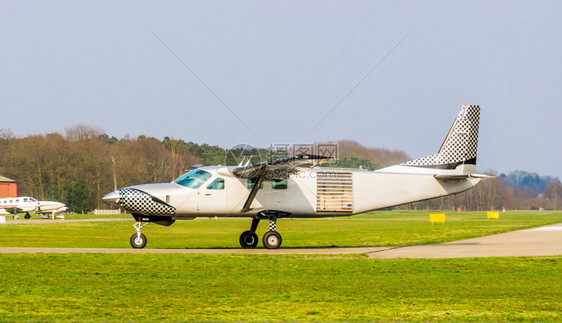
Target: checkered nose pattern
[139, 202]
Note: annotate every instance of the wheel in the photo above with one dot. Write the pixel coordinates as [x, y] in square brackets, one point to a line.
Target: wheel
[248, 240]
[138, 242]
[272, 240]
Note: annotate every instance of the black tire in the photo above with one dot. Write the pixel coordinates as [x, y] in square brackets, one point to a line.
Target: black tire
[248, 240]
[272, 240]
[138, 242]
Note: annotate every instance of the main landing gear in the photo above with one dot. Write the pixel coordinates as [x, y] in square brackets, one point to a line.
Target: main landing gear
[271, 239]
[138, 240]
[249, 239]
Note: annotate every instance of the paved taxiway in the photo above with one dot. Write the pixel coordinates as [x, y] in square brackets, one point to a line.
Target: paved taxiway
[541, 241]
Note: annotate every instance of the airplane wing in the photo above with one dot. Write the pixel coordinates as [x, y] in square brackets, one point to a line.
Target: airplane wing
[280, 168]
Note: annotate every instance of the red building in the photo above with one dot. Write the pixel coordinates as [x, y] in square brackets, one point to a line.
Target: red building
[8, 187]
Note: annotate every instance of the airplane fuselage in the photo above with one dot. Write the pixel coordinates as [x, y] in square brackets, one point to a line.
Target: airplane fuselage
[30, 204]
[23, 203]
[309, 193]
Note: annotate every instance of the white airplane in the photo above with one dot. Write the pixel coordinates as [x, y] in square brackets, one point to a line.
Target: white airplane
[29, 204]
[50, 208]
[19, 204]
[293, 187]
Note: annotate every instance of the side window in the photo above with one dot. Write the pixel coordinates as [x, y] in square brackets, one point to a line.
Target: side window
[279, 184]
[217, 184]
[25, 199]
[252, 182]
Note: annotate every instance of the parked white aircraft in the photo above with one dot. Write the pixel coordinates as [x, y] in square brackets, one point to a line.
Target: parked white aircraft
[294, 187]
[51, 208]
[29, 204]
[19, 204]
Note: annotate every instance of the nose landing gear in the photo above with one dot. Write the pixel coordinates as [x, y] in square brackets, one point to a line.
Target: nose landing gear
[138, 240]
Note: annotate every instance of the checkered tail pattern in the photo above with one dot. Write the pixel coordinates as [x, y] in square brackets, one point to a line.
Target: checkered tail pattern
[460, 145]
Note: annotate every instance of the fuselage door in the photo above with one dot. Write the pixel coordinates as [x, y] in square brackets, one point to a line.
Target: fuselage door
[211, 198]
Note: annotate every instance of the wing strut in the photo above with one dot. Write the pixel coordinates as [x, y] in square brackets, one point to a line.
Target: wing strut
[254, 190]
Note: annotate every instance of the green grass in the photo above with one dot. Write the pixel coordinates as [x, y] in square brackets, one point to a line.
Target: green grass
[147, 287]
[133, 287]
[372, 229]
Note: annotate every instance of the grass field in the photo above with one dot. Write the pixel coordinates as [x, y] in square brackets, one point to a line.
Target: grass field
[372, 229]
[141, 287]
[147, 287]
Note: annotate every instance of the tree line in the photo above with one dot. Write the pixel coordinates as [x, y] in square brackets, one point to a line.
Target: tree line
[495, 195]
[77, 168]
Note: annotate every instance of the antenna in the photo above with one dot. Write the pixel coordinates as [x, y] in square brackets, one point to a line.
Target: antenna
[114, 175]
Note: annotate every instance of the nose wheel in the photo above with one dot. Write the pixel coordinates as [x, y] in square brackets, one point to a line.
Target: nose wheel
[138, 240]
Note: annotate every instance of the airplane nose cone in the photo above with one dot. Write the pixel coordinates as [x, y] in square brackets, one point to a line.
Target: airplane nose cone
[112, 197]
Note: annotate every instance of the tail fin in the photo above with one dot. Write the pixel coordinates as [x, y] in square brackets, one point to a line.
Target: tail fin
[459, 147]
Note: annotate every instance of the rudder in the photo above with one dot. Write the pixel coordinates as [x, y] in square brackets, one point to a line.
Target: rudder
[459, 147]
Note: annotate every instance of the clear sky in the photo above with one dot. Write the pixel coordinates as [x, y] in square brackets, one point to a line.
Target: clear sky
[281, 66]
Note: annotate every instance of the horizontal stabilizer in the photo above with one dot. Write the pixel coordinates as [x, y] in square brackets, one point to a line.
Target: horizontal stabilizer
[482, 176]
[453, 177]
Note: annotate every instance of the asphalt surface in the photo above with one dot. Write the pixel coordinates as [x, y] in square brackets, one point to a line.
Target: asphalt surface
[541, 241]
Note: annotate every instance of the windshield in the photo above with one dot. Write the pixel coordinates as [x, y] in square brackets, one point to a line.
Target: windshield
[193, 179]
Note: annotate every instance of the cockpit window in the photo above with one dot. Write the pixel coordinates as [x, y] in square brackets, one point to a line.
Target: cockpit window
[193, 179]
